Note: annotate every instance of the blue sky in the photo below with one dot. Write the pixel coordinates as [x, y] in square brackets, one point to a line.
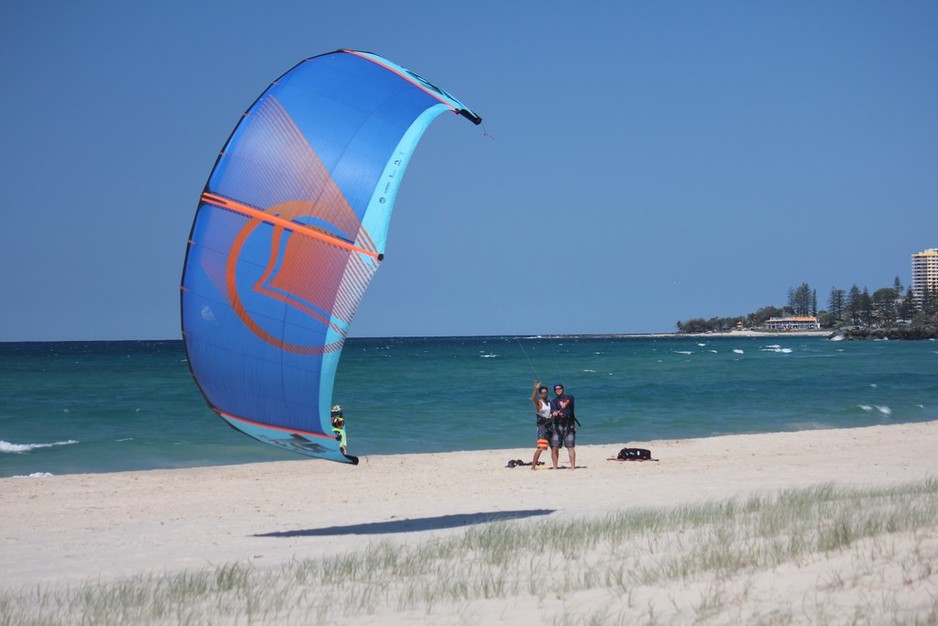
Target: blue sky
[646, 162]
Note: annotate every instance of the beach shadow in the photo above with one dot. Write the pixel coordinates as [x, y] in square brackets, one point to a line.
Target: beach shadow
[411, 525]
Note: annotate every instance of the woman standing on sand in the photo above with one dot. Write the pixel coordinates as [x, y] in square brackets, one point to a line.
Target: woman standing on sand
[545, 425]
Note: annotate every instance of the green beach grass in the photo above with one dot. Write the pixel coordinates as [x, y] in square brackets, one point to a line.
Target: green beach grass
[819, 555]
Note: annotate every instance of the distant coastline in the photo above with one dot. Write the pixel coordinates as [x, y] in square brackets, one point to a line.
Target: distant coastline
[758, 333]
[851, 334]
[712, 334]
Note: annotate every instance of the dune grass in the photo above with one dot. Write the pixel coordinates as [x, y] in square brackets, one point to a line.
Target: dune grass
[866, 556]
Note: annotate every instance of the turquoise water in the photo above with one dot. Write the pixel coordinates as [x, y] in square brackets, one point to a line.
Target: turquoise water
[112, 406]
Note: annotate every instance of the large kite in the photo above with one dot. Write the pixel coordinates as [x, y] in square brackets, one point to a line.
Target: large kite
[289, 232]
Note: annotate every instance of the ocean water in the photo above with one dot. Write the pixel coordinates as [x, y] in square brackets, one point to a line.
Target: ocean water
[88, 407]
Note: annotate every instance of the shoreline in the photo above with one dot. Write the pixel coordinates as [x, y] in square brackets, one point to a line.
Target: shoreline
[510, 453]
[72, 528]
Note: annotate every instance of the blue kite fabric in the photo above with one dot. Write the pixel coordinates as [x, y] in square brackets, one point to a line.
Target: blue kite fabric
[288, 234]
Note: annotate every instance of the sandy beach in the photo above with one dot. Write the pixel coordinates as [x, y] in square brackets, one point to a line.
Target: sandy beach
[59, 530]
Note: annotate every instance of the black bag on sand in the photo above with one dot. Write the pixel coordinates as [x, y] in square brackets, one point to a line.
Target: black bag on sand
[635, 454]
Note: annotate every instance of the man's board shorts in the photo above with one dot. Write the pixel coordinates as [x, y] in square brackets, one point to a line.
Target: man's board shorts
[564, 432]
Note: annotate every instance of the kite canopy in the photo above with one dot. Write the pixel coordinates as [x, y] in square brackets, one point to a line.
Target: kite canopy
[288, 234]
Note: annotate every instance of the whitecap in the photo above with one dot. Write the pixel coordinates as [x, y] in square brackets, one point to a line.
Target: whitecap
[34, 475]
[865, 407]
[738, 351]
[19, 448]
[777, 349]
[489, 356]
[885, 410]
[683, 352]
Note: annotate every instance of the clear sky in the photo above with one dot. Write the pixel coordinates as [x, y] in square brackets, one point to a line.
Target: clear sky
[646, 162]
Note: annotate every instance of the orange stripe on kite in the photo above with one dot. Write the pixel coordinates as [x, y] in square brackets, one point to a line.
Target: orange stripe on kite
[263, 216]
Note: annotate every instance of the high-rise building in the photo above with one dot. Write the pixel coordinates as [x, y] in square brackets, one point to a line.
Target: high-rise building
[924, 273]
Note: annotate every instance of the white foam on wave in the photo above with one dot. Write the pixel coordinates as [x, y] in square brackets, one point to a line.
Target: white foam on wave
[34, 475]
[885, 410]
[778, 349]
[683, 352]
[19, 448]
[738, 351]
[489, 356]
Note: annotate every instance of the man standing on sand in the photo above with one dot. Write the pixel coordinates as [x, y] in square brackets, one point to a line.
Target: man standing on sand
[562, 410]
[338, 427]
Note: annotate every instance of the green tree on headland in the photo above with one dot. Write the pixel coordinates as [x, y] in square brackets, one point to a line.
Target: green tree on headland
[885, 306]
[907, 305]
[799, 299]
[855, 305]
[835, 304]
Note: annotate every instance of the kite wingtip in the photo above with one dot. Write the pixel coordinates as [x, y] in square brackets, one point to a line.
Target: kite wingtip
[469, 115]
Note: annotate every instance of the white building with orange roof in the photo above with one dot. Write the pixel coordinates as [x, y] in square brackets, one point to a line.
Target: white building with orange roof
[793, 323]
